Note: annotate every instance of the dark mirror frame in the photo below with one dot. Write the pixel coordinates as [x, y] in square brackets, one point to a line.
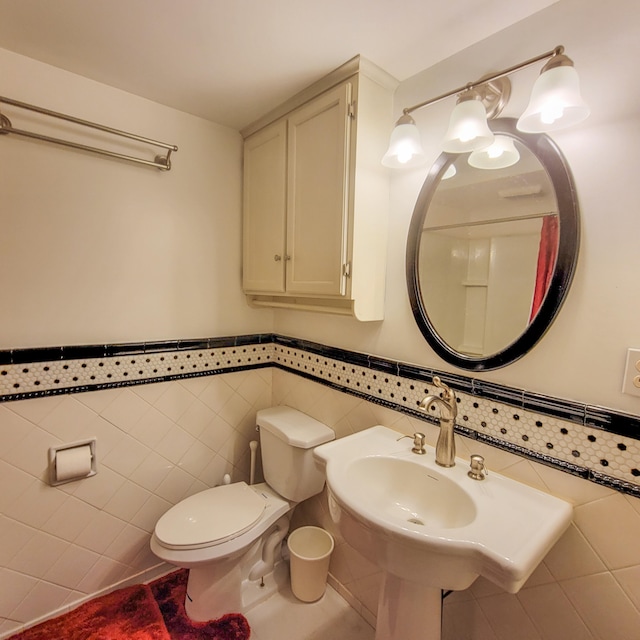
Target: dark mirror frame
[552, 160]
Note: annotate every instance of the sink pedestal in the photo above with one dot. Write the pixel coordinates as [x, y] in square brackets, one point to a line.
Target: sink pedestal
[408, 611]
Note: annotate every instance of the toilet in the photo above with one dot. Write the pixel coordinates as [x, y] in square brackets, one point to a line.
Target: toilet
[230, 537]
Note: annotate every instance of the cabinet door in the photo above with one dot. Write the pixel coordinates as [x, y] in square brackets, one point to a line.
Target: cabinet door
[317, 194]
[264, 209]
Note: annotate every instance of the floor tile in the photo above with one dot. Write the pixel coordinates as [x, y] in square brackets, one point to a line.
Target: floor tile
[284, 616]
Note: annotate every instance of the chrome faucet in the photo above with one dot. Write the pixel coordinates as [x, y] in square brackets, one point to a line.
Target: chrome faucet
[445, 446]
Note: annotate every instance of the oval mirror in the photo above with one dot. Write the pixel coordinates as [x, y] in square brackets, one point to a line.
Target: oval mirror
[492, 248]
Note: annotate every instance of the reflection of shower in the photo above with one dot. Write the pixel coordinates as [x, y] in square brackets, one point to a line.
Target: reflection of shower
[479, 281]
[496, 205]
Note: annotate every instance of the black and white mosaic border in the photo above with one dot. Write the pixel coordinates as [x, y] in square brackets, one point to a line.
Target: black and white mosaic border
[33, 373]
[588, 441]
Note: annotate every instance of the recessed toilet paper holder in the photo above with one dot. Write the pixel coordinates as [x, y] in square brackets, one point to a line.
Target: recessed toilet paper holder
[72, 461]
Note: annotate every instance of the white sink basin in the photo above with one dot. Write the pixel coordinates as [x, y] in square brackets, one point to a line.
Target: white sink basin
[406, 494]
[434, 526]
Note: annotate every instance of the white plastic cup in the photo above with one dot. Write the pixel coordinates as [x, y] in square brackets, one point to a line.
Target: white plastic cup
[310, 549]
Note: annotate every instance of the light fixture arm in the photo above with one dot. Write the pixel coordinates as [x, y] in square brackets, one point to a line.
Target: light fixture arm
[559, 50]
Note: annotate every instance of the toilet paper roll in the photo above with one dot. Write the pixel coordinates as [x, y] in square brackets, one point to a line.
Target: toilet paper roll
[73, 463]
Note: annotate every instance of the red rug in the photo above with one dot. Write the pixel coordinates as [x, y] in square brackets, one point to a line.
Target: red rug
[170, 591]
[125, 614]
[141, 612]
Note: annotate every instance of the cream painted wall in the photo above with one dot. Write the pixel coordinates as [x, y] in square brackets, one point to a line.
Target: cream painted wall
[583, 355]
[94, 250]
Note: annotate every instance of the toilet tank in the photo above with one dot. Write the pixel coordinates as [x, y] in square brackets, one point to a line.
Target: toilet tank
[287, 439]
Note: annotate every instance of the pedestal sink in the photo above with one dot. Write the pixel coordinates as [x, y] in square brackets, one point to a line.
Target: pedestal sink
[430, 528]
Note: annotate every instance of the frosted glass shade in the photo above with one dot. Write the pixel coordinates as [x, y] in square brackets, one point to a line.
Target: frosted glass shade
[502, 153]
[555, 102]
[450, 172]
[468, 128]
[405, 147]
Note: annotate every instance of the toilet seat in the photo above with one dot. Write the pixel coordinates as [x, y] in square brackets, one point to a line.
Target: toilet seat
[196, 522]
[276, 507]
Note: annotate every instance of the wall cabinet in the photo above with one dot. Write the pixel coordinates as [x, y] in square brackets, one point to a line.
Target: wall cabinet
[264, 209]
[316, 198]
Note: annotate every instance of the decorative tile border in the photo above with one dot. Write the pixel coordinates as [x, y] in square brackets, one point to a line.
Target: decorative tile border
[32, 373]
[587, 441]
[554, 432]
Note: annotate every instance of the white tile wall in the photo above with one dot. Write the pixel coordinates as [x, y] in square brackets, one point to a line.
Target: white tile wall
[156, 444]
[160, 442]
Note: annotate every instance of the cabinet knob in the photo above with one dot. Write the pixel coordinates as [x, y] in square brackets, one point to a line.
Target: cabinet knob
[277, 258]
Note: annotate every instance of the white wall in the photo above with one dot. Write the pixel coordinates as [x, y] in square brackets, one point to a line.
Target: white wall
[583, 355]
[95, 250]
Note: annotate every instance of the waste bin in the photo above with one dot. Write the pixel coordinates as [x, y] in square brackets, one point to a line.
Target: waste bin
[310, 550]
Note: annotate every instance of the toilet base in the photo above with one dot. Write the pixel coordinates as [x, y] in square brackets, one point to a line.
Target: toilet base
[235, 584]
[256, 591]
[215, 590]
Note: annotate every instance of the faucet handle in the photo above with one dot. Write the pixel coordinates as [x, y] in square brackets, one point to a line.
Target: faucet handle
[448, 392]
[478, 471]
[418, 442]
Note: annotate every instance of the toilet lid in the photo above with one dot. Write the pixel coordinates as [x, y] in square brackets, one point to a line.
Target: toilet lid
[210, 517]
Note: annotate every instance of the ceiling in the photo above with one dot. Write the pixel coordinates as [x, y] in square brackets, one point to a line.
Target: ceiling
[231, 61]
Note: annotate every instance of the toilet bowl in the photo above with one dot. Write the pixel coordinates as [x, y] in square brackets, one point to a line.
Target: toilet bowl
[230, 536]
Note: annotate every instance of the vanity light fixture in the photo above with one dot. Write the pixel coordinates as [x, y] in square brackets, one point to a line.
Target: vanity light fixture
[468, 128]
[405, 147]
[450, 172]
[555, 103]
[555, 98]
[502, 153]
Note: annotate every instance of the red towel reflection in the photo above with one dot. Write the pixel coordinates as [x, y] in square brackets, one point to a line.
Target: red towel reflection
[546, 261]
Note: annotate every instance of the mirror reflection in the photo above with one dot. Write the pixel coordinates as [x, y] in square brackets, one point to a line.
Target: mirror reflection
[488, 247]
[492, 248]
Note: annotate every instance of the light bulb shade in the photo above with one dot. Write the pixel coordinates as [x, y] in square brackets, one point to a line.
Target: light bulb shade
[405, 147]
[468, 128]
[499, 155]
[450, 172]
[555, 102]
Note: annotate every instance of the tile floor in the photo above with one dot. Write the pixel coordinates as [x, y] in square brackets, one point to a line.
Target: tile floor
[330, 618]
